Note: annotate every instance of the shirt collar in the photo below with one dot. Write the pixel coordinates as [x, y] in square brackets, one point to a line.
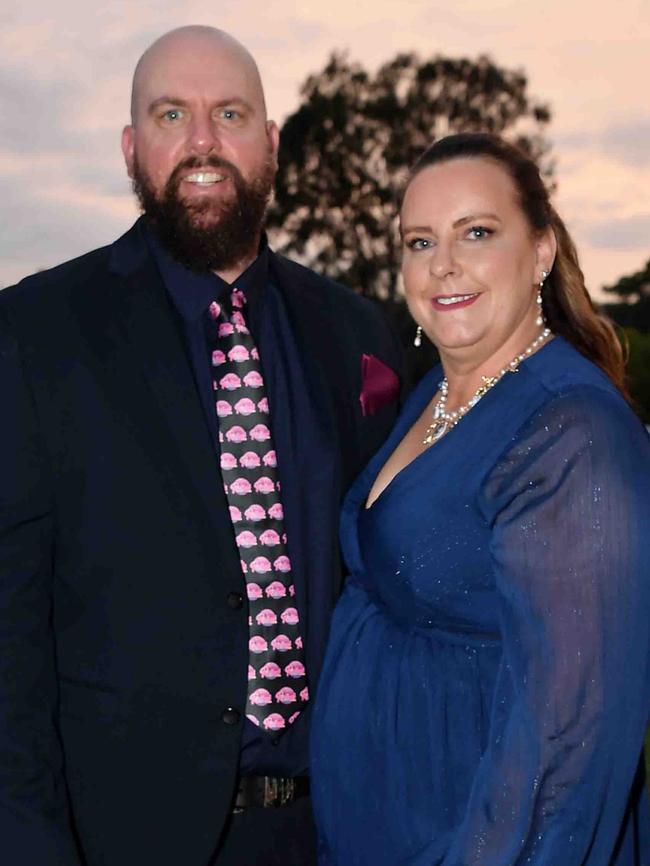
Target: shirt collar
[192, 293]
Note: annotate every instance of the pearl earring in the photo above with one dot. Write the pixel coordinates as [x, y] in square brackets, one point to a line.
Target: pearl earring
[417, 342]
[540, 320]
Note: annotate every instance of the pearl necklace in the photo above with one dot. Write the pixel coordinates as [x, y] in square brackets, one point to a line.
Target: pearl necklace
[443, 421]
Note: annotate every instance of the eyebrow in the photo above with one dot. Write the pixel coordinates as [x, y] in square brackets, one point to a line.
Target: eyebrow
[459, 222]
[183, 103]
[475, 216]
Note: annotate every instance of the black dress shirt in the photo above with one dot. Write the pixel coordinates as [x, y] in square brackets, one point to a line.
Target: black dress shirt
[291, 420]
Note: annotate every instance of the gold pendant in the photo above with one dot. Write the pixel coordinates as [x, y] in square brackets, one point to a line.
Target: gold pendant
[435, 431]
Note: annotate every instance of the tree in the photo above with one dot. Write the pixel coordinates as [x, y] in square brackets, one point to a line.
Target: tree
[346, 151]
[638, 370]
[633, 306]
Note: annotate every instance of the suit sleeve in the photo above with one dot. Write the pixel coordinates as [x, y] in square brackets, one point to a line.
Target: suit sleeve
[569, 504]
[34, 810]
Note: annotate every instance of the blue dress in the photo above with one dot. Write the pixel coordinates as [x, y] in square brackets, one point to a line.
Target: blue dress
[487, 684]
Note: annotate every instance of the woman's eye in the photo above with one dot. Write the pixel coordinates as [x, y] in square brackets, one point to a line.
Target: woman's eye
[477, 233]
[418, 244]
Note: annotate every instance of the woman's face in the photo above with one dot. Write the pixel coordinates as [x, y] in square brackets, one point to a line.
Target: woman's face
[471, 263]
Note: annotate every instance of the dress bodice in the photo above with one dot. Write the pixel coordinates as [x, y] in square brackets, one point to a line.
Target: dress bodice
[469, 705]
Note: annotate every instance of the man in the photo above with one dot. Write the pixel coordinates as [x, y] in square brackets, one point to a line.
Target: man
[183, 412]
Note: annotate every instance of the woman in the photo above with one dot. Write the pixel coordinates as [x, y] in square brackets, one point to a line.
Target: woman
[487, 686]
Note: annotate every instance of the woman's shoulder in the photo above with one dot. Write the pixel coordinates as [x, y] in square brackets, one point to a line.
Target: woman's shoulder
[569, 382]
[577, 403]
[566, 405]
[578, 426]
[559, 366]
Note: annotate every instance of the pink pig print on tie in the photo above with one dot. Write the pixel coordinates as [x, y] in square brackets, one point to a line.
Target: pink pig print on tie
[260, 565]
[248, 464]
[245, 406]
[270, 538]
[295, 669]
[254, 513]
[228, 461]
[236, 434]
[270, 671]
[266, 617]
[239, 354]
[260, 433]
[250, 460]
[246, 539]
[254, 591]
[276, 590]
[274, 722]
[261, 697]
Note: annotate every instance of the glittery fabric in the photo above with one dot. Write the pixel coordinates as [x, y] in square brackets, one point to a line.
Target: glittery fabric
[487, 683]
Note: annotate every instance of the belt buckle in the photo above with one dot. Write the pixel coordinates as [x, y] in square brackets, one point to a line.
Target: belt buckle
[278, 791]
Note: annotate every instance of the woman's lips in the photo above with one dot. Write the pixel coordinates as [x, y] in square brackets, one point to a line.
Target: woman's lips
[453, 302]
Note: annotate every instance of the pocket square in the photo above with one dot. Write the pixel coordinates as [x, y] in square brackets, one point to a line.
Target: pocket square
[380, 385]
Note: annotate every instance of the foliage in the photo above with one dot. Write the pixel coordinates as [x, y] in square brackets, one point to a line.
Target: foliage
[638, 367]
[633, 287]
[346, 151]
[633, 306]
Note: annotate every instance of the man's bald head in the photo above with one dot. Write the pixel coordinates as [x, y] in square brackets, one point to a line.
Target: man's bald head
[200, 149]
[215, 47]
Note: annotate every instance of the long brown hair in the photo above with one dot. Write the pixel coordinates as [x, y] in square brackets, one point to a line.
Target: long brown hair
[567, 307]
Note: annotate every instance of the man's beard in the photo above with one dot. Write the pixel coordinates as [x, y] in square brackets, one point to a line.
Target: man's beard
[207, 235]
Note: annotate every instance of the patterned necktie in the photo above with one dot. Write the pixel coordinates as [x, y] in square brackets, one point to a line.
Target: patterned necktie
[277, 680]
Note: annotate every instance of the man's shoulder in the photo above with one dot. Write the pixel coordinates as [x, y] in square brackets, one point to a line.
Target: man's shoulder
[83, 276]
[327, 290]
[52, 283]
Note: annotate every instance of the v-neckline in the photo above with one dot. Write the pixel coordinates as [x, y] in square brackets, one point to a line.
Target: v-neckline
[422, 394]
[404, 424]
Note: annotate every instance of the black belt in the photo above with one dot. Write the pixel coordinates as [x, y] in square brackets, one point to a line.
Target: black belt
[269, 792]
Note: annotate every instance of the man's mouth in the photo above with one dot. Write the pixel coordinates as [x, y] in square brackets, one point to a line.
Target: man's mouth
[204, 178]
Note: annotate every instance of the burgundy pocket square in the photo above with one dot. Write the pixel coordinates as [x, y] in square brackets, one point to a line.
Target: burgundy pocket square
[380, 385]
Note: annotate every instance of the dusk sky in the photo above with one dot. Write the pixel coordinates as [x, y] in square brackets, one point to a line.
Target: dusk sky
[65, 74]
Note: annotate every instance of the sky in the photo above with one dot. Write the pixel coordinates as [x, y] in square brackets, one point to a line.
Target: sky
[65, 72]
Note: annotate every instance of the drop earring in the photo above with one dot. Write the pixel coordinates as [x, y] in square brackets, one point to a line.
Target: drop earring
[417, 341]
[540, 320]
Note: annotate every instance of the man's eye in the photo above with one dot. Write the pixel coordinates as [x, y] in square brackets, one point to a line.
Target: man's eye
[172, 114]
[229, 114]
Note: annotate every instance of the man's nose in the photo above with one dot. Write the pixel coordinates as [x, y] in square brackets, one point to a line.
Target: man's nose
[203, 135]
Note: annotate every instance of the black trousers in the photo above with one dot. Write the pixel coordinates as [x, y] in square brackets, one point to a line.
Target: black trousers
[284, 836]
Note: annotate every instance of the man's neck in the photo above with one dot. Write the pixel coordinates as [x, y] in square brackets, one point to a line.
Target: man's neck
[230, 275]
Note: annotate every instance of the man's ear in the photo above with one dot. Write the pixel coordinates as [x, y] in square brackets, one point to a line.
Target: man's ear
[128, 148]
[273, 135]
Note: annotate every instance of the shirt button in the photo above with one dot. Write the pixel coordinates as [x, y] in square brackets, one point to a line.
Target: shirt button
[235, 600]
[230, 716]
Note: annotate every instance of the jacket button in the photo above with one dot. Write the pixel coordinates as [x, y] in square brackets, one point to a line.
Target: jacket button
[235, 600]
[230, 716]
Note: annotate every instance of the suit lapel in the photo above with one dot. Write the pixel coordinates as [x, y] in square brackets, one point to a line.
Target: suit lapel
[144, 317]
[328, 370]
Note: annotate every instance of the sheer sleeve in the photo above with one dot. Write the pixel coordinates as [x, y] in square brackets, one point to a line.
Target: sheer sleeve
[569, 505]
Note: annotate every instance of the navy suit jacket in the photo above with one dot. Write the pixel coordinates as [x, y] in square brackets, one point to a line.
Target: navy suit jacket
[123, 652]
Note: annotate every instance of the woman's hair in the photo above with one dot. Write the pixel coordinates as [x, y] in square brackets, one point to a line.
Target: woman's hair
[566, 304]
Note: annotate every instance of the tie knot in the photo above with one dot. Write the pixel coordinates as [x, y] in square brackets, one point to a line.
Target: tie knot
[229, 305]
[228, 317]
